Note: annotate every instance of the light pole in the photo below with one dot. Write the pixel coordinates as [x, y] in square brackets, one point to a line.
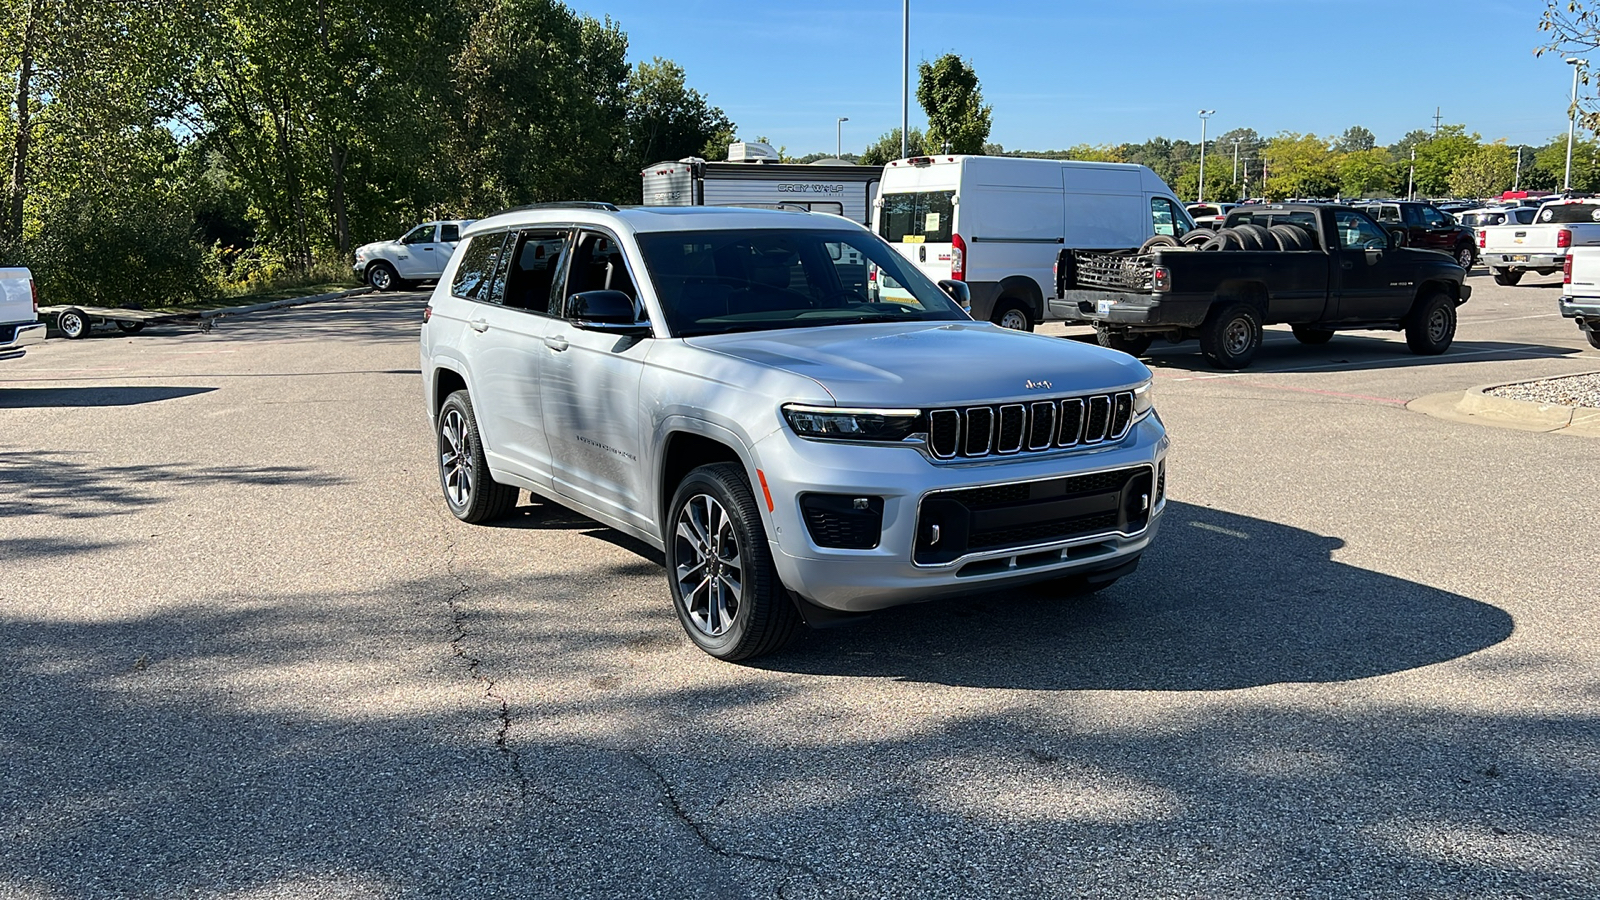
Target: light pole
[1235, 160]
[1572, 119]
[1200, 194]
[1411, 176]
[1516, 185]
[905, 77]
[838, 137]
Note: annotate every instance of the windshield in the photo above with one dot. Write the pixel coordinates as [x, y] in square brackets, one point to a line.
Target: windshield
[1569, 213]
[713, 282]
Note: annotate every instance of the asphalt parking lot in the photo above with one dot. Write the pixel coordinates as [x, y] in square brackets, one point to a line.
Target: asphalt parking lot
[249, 654]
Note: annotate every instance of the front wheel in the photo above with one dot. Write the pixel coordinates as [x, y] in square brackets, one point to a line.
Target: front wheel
[1431, 329]
[382, 277]
[1231, 336]
[1013, 315]
[471, 493]
[1506, 276]
[1131, 344]
[719, 568]
[1466, 256]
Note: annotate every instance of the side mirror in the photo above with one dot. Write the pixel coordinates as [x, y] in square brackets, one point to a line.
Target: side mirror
[609, 311]
[1397, 238]
[959, 292]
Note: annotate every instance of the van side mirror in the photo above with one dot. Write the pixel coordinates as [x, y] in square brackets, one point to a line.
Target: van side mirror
[959, 292]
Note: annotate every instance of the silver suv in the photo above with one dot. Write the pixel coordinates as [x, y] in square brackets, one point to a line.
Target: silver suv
[723, 385]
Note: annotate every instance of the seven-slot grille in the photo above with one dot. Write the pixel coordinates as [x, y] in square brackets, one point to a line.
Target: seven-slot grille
[978, 431]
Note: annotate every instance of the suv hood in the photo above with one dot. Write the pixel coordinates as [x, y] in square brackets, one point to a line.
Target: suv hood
[932, 364]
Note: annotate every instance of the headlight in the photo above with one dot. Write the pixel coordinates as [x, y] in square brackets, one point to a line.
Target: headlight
[1143, 400]
[831, 423]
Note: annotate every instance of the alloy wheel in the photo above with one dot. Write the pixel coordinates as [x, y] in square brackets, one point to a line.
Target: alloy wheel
[710, 570]
[455, 459]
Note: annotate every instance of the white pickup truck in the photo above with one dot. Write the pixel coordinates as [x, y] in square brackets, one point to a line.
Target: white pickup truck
[1510, 250]
[1580, 291]
[19, 313]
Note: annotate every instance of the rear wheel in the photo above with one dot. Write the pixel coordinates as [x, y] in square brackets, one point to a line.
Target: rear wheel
[1312, 336]
[127, 327]
[1466, 256]
[1131, 344]
[471, 493]
[1506, 276]
[1594, 338]
[1231, 335]
[719, 568]
[1430, 330]
[1011, 314]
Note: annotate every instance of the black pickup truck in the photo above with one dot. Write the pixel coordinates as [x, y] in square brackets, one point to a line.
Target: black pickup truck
[1317, 268]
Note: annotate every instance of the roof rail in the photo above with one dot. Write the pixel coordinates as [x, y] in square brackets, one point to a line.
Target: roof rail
[560, 204]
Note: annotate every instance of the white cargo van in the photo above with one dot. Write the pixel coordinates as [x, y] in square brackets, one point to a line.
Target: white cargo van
[997, 222]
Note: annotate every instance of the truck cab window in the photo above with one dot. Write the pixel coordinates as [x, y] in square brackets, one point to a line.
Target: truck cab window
[1357, 232]
[420, 235]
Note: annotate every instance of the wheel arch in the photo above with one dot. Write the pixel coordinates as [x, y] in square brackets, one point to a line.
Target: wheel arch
[1024, 289]
[1428, 288]
[685, 448]
[446, 381]
[1243, 291]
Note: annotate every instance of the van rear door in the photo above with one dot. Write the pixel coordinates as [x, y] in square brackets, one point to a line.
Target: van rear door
[919, 224]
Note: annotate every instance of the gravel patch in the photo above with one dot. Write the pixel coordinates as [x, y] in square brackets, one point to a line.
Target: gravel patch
[1572, 390]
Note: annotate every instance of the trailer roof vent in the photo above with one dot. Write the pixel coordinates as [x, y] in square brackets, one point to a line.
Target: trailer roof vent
[752, 152]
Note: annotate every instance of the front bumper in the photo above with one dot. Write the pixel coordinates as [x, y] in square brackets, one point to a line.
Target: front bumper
[19, 337]
[887, 575]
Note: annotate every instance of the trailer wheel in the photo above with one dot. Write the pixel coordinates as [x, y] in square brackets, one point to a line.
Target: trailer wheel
[72, 323]
[130, 327]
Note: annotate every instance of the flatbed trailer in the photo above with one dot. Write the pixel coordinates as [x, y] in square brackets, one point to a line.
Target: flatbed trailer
[74, 322]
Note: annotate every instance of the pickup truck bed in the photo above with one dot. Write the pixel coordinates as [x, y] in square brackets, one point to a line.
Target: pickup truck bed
[19, 323]
[1356, 276]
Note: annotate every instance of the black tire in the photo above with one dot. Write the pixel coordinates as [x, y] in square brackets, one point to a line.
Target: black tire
[1432, 327]
[1506, 276]
[130, 327]
[1131, 344]
[1159, 240]
[1227, 239]
[1231, 335]
[470, 492]
[1197, 237]
[73, 323]
[1466, 256]
[712, 507]
[382, 277]
[1255, 237]
[1312, 336]
[1012, 314]
[1594, 338]
[1290, 237]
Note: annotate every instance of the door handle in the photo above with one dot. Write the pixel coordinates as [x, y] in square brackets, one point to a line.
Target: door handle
[1347, 264]
[479, 324]
[557, 344]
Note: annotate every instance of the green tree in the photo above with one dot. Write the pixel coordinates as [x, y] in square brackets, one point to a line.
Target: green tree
[1484, 172]
[1438, 157]
[1355, 139]
[1551, 163]
[668, 120]
[949, 93]
[887, 147]
[1299, 165]
[1366, 173]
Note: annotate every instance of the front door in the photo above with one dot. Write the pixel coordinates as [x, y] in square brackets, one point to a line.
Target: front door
[1362, 267]
[590, 386]
[420, 252]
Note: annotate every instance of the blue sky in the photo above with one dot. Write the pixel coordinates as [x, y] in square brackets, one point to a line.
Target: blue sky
[1067, 72]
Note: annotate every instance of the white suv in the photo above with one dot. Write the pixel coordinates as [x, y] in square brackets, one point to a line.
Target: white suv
[720, 384]
[421, 254]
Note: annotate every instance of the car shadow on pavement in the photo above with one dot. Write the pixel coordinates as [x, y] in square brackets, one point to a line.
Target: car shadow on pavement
[1220, 602]
[1347, 352]
[53, 397]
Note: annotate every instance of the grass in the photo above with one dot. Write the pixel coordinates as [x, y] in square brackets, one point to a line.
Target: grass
[280, 293]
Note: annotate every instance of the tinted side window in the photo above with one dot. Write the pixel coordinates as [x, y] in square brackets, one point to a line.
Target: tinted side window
[598, 264]
[917, 218]
[423, 234]
[477, 268]
[1524, 216]
[1433, 218]
[450, 233]
[534, 266]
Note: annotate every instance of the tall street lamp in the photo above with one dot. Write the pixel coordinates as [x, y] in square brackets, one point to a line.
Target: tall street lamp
[1572, 119]
[838, 137]
[905, 77]
[1200, 195]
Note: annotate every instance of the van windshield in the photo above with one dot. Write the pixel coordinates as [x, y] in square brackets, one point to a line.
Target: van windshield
[918, 217]
[714, 282]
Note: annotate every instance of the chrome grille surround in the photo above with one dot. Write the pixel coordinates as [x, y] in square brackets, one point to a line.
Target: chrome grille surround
[979, 432]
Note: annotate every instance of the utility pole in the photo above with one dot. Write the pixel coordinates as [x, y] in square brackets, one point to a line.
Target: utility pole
[1411, 176]
[1436, 117]
[905, 78]
[1572, 120]
[1235, 160]
[1516, 185]
[1200, 193]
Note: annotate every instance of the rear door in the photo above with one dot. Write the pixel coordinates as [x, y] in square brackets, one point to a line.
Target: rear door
[920, 224]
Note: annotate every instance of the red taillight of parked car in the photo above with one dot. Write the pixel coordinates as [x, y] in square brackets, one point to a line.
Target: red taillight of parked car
[1483, 239]
[958, 258]
[1566, 268]
[1161, 279]
[427, 313]
[1564, 237]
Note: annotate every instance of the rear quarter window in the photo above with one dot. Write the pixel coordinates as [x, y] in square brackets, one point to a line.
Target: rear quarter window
[478, 262]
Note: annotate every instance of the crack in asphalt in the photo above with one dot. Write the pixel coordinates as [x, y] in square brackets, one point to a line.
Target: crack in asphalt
[704, 835]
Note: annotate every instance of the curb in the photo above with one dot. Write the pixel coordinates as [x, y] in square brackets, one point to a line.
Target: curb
[280, 304]
[1476, 405]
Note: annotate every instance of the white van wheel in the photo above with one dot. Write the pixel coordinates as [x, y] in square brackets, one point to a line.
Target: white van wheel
[1011, 314]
